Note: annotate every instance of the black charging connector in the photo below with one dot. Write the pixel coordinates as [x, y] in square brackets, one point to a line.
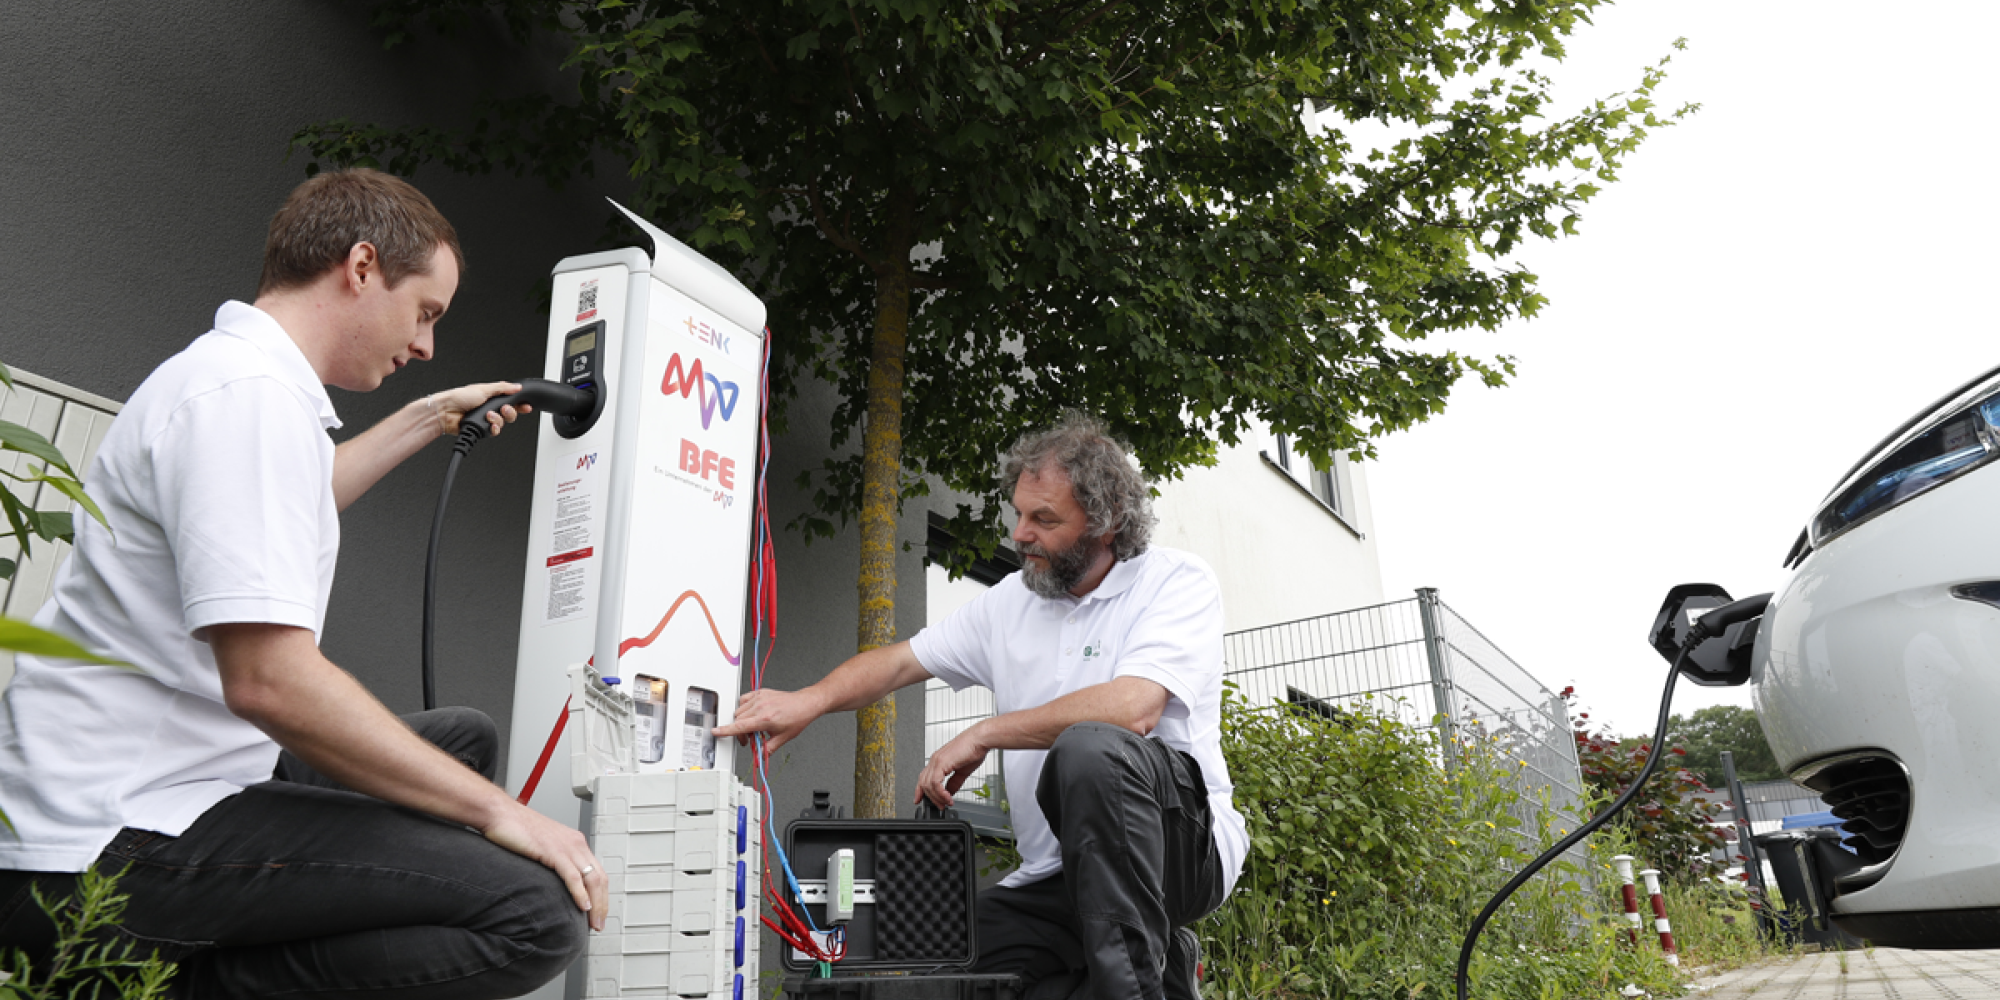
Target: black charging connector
[540, 393]
[560, 401]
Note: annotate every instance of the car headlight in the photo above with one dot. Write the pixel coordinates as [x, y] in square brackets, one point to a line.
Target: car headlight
[1963, 440]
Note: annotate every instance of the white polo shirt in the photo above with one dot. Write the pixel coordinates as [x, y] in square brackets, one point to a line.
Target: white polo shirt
[217, 478]
[1157, 615]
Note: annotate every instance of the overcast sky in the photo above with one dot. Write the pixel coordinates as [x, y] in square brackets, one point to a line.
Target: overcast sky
[1772, 286]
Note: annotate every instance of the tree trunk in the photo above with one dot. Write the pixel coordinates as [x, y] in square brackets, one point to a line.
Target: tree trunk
[881, 480]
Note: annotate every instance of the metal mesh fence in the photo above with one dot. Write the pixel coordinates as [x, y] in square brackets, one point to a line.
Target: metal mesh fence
[1418, 660]
[1415, 659]
[1374, 655]
[948, 713]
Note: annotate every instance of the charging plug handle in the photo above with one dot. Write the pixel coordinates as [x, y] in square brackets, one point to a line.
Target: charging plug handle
[1718, 621]
[554, 398]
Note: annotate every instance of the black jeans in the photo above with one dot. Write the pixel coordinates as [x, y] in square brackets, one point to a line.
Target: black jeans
[299, 888]
[1139, 861]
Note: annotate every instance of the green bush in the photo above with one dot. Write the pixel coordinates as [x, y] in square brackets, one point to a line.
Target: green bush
[1367, 863]
[88, 961]
[1670, 824]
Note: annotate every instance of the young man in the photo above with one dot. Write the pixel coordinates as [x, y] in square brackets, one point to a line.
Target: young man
[373, 856]
[1105, 659]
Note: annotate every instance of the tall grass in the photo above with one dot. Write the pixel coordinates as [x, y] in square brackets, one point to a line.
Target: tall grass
[1368, 861]
[89, 959]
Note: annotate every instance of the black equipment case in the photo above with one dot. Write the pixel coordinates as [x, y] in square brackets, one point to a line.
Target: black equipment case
[912, 933]
[915, 882]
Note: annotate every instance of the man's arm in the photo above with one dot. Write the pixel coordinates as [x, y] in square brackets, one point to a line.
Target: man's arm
[1132, 702]
[863, 680]
[361, 461]
[275, 678]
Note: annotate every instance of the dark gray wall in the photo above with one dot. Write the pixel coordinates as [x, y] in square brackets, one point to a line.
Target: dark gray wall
[142, 152]
[144, 155]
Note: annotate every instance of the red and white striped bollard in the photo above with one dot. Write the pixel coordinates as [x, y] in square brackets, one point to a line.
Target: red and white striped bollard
[1652, 877]
[1623, 863]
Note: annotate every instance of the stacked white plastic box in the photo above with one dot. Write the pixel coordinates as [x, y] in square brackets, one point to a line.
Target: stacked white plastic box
[683, 855]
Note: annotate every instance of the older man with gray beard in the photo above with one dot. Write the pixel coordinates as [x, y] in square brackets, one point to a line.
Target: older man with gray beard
[1104, 655]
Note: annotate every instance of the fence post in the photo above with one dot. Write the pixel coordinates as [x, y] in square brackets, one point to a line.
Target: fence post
[1439, 654]
[1652, 877]
[1746, 844]
[1623, 864]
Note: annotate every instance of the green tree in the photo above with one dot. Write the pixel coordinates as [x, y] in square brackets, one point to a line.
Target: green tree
[1725, 727]
[968, 216]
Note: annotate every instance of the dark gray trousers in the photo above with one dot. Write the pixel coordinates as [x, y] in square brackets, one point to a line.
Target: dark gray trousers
[298, 888]
[1139, 862]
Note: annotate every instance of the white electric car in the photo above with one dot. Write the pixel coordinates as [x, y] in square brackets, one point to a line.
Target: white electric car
[1876, 672]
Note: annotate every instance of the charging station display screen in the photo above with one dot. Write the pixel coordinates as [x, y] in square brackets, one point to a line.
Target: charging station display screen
[581, 343]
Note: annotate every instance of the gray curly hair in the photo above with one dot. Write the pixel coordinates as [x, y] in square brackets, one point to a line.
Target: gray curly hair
[1102, 477]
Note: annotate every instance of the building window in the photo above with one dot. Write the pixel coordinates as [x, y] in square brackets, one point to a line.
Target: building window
[74, 421]
[1329, 485]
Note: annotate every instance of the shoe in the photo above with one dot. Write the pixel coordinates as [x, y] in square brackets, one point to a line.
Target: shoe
[1182, 977]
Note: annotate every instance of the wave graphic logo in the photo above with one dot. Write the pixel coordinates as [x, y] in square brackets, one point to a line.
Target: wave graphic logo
[715, 394]
[641, 642]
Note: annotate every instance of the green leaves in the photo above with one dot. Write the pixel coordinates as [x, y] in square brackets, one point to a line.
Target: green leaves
[1711, 730]
[87, 958]
[25, 523]
[1669, 821]
[14, 437]
[1107, 206]
[21, 637]
[1367, 860]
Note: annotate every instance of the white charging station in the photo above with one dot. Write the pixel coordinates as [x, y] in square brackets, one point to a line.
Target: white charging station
[639, 553]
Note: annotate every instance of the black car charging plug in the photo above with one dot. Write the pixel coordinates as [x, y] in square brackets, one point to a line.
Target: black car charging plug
[1718, 621]
[555, 398]
[540, 393]
[1708, 626]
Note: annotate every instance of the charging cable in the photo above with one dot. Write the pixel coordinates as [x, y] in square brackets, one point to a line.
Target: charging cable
[542, 394]
[1707, 626]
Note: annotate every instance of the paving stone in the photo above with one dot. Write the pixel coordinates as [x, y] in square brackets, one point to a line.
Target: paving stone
[1870, 974]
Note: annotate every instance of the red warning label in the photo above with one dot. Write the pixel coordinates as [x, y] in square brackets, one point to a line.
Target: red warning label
[569, 557]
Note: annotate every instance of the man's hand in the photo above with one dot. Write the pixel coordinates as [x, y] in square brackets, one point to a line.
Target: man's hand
[363, 460]
[453, 404]
[862, 680]
[779, 715]
[274, 677]
[539, 838]
[945, 773]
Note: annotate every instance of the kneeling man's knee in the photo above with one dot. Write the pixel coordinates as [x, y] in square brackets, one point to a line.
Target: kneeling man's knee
[1090, 750]
[549, 934]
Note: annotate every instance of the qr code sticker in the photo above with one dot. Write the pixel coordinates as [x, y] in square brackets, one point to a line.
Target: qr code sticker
[586, 300]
